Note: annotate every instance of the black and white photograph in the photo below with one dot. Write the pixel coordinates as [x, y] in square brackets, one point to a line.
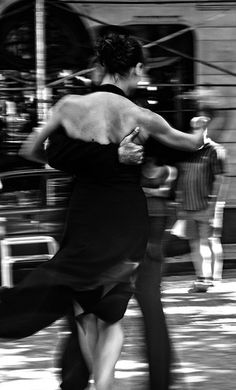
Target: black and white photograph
[117, 194]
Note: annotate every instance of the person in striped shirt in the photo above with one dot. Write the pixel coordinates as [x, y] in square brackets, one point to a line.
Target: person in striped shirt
[199, 194]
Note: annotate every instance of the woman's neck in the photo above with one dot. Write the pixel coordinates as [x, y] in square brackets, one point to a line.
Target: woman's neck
[120, 83]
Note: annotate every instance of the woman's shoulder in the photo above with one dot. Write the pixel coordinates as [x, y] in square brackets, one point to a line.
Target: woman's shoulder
[70, 99]
[94, 97]
[62, 104]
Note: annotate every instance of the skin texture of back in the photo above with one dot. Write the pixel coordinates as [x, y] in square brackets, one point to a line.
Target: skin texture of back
[101, 117]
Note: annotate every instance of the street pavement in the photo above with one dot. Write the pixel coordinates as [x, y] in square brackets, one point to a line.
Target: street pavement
[203, 333]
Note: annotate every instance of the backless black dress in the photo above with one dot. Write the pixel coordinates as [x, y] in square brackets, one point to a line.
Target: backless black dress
[105, 234]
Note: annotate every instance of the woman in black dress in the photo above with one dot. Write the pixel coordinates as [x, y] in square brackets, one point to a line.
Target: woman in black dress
[106, 229]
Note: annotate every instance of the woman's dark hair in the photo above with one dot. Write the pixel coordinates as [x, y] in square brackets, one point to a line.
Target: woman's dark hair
[118, 53]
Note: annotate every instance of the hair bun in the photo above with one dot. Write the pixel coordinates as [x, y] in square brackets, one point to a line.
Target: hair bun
[118, 53]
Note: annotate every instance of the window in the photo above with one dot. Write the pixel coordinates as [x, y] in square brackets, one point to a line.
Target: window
[67, 40]
[169, 73]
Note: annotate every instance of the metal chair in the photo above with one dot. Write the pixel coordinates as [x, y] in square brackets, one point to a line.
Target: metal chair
[8, 257]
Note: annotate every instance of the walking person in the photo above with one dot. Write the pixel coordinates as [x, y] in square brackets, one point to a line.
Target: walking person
[106, 228]
[200, 189]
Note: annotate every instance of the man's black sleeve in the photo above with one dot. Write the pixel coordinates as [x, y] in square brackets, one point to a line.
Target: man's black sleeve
[164, 155]
[71, 155]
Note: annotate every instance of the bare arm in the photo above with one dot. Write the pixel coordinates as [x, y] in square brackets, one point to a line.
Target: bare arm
[33, 148]
[216, 201]
[156, 126]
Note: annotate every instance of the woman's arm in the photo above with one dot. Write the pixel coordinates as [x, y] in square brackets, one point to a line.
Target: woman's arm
[33, 147]
[156, 126]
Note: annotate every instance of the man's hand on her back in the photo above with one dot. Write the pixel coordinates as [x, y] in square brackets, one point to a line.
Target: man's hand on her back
[130, 153]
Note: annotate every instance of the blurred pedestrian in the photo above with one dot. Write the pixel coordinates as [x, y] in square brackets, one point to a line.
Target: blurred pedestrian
[200, 191]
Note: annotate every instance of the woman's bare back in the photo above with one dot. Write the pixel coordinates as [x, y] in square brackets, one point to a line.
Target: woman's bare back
[101, 116]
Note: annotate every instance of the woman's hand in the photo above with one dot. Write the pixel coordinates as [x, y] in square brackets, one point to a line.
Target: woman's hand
[200, 122]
